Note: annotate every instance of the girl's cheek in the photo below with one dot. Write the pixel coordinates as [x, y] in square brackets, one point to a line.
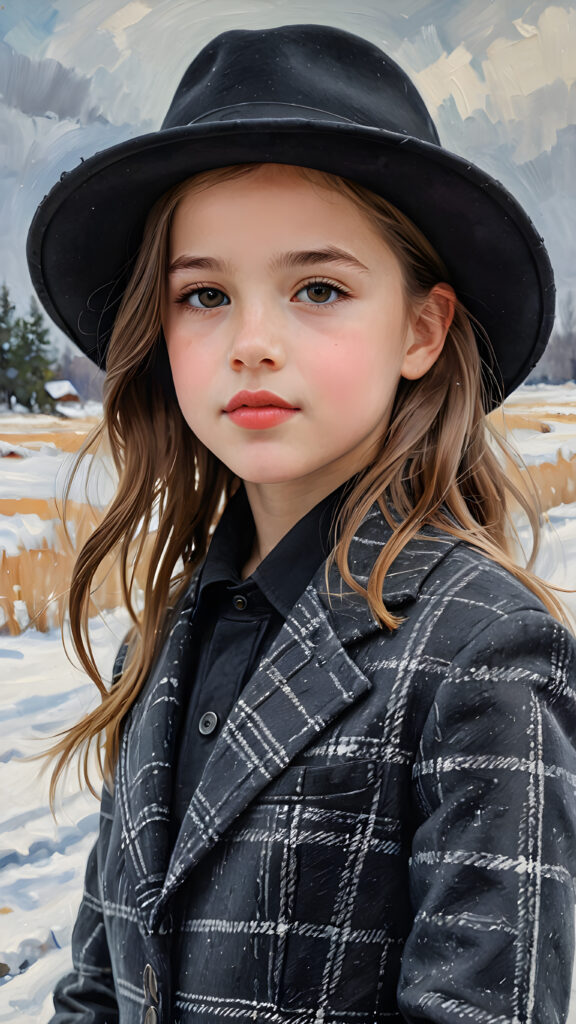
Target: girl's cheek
[190, 361]
[337, 369]
[337, 386]
[355, 377]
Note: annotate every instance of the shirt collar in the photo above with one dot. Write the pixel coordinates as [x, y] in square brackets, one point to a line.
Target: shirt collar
[285, 573]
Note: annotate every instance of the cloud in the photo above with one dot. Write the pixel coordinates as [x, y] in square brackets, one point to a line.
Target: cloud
[33, 153]
[123, 19]
[526, 80]
[541, 55]
[36, 87]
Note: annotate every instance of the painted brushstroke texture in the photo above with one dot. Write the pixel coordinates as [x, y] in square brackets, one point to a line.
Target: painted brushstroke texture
[76, 77]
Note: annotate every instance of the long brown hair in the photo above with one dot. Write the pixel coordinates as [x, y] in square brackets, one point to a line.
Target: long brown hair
[435, 465]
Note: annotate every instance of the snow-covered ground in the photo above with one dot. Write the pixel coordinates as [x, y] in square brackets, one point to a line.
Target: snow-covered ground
[42, 861]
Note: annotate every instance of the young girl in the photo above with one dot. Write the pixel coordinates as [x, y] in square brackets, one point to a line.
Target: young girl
[339, 756]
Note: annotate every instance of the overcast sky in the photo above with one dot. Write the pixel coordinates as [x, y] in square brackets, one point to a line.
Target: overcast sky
[499, 79]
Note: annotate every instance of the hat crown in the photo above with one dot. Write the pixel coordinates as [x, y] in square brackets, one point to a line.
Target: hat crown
[304, 71]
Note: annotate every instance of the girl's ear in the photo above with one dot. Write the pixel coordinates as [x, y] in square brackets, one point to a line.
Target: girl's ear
[427, 330]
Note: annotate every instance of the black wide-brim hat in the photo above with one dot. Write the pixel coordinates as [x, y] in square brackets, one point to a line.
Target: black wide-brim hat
[317, 97]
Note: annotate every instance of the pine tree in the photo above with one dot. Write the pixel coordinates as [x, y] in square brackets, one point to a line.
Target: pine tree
[32, 360]
[558, 362]
[6, 339]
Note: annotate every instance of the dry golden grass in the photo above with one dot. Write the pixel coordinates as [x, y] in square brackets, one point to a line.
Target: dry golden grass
[33, 583]
[554, 481]
[67, 435]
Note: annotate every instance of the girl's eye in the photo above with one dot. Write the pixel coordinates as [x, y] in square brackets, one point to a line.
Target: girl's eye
[315, 293]
[205, 298]
[321, 293]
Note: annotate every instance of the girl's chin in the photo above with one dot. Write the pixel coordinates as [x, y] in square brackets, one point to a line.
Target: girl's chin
[263, 475]
[263, 479]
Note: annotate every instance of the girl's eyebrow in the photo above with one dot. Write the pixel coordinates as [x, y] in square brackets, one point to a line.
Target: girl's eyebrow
[282, 261]
[331, 254]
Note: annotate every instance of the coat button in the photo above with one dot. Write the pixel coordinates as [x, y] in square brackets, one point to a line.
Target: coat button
[151, 1016]
[166, 925]
[239, 602]
[208, 723]
[150, 985]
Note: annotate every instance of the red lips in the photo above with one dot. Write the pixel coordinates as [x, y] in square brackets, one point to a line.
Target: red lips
[255, 400]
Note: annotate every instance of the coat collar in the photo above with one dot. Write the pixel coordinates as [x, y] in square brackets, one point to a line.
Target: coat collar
[348, 611]
[302, 684]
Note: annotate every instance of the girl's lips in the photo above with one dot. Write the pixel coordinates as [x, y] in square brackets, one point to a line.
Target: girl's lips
[256, 399]
[260, 417]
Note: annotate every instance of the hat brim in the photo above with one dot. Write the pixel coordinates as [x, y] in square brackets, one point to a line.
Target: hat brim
[87, 230]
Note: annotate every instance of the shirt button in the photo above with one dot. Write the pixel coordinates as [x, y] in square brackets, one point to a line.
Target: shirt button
[239, 602]
[208, 723]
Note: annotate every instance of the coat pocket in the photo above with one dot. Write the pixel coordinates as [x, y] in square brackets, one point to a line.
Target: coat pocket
[334, 888]
[340, 785]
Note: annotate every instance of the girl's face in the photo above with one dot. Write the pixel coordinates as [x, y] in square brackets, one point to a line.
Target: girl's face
[287, 328]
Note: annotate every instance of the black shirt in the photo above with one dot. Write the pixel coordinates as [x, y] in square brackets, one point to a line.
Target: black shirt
[234, 621]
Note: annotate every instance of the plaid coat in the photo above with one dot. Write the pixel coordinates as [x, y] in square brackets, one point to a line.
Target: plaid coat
[384, 831]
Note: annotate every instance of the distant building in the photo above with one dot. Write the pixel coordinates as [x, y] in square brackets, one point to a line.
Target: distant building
[62, 391]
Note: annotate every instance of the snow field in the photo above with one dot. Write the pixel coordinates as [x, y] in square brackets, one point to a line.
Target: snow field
[42, 861]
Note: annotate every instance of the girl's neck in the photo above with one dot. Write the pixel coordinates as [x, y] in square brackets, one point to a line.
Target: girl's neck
[276, 508]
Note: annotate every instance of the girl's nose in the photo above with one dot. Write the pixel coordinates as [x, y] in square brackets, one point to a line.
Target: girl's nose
[256, 340]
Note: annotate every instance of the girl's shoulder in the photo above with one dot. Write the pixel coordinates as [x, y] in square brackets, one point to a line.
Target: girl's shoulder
[482, 580]
[464, 586]
[488, 624]
[471, 570]
[462, 615]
